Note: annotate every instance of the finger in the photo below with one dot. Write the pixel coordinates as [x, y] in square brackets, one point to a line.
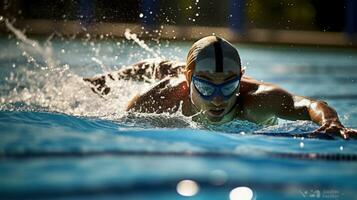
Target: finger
[349, 133]
[352, 133]
[344, 135]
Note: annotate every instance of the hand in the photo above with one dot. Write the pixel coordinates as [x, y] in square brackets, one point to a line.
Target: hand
[336, 128]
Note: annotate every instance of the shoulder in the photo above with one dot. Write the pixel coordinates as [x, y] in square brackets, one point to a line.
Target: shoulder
[261, 101]
[163, 96]
[253, 87]
[168, 84]
[257, 95]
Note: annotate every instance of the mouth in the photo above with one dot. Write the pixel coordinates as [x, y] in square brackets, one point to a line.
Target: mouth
[216, 111]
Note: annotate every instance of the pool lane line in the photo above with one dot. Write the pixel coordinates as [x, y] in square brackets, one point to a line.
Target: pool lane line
[231, 155]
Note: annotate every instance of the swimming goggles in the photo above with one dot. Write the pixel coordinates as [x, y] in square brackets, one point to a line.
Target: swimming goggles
[208, 90]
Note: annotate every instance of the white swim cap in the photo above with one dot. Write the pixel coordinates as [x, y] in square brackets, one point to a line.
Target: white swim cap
[214, 54]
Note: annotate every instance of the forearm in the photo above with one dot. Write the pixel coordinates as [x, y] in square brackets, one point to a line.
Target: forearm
[322, 113]
[302, 108]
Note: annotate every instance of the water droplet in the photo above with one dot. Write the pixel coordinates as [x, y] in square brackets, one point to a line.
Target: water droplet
[241, 193]
[141, 15]
[302, 145]
[187, 188]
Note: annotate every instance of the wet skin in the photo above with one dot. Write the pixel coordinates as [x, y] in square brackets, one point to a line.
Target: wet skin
[258, 102]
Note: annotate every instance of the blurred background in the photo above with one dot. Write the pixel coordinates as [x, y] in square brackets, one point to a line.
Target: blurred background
[325, 22]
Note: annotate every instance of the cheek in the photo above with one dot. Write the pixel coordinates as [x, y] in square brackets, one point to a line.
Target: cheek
[197, 100]
[232, 101]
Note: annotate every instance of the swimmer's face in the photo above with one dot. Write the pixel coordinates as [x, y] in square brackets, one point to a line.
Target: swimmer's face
[216, 107]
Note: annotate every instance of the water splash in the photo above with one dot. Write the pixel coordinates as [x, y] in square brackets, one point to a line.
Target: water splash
[54, 87]
[132, 36]
[29, 45]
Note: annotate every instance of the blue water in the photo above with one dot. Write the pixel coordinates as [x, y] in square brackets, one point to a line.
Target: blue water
[61, 141]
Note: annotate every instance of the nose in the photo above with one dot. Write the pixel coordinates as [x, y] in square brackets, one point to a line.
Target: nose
[217, 100]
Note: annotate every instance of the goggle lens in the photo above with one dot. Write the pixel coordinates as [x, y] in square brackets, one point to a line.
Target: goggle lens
[208, 89]
[228, 89]
[203, 88]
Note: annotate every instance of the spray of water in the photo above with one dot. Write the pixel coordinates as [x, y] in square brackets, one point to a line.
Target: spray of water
[33, 46]
[132, 36]
[52, 86]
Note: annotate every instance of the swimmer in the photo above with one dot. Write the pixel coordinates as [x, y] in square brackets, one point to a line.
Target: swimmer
[212, 87]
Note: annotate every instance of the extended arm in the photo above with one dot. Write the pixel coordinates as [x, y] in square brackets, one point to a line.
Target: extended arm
[149, 70]
[293, 107]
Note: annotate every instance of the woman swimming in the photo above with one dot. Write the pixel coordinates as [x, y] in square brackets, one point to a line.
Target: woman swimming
[211, 86]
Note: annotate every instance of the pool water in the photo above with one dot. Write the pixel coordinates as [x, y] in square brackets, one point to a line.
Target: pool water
[61, 141]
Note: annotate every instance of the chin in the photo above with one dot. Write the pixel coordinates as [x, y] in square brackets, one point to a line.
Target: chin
[215, 118]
